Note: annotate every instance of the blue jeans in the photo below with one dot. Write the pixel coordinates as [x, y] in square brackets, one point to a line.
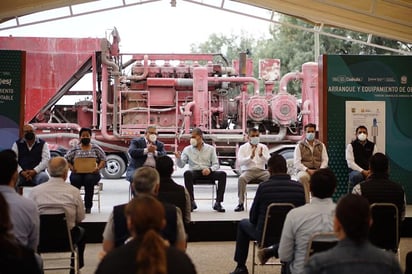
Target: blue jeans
[40, 177]
[246, 232]
[355, 177]
[88, 180]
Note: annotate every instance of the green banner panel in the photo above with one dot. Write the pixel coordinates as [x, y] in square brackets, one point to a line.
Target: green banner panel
[375, 91]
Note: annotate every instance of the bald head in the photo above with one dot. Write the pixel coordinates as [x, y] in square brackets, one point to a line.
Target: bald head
[58, 167]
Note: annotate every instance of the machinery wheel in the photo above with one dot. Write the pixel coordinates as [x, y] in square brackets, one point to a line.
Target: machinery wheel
[115, 167]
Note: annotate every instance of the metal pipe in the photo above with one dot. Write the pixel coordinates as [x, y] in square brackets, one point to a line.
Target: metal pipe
[287, 78]
[68, 126]
[145, 71]
[187, 113]
[237, 80]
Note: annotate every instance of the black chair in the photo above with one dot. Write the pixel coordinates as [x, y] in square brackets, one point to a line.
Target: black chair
[384, 232]
[319, 242]
[272, 228]
[55, 237]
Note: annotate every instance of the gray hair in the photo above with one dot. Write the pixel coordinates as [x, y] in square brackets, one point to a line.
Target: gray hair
[57, 167]
[145, 180]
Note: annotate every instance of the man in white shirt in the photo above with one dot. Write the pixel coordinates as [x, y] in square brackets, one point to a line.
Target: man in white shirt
[252, 158]
[309, 156]
[57, 191]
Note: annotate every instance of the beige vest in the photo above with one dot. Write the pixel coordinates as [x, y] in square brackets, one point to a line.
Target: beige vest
[309, 159]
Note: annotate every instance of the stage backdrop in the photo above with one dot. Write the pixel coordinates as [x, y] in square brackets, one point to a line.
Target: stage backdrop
[375, 91]
[12, 70]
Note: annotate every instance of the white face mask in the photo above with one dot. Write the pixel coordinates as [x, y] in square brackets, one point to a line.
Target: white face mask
[152, 138]
[193, 142]
[254, 140]
[310, 136]
[362, 137]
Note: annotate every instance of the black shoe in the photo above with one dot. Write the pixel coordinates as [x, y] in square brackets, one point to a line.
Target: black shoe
[239, 208]
[88, 210]
[240, 270]
[194, 205]
[218, 207]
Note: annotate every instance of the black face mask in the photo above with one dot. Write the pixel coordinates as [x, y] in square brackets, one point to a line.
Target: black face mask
[85, 141]
[29, 136]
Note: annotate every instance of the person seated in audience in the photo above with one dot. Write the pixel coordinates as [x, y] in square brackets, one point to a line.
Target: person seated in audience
[146, 180]
[302, 222]
[378, 188]
[57, 192]
[353, 253]
[14, 257]
[252, 158]
[309, 155]
[357, 154]
[278, 189]
[203, 164]
[23, 211]
[146, 251]
[169, 190]
[32, 156]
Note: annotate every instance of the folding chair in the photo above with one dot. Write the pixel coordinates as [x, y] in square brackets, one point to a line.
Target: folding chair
[55, 237]
[384, 232]
[208, 183]
[272, 228]
[96, 193]
[319, 242]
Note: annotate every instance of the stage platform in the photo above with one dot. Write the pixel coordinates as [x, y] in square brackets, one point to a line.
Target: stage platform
[206, 224]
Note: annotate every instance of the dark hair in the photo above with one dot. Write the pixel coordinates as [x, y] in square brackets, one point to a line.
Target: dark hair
[277, 164]
[164, 165]
[197, 131]
[147, 218]
[354, 215]
[252, 130]
[145, 179]
[323, 183]
[85, 129]
[310, 125]
[361, 127]
[379, 163]
[8, 166]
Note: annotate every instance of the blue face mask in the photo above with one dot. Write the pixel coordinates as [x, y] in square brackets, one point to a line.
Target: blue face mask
[310, 136]
[254, 140]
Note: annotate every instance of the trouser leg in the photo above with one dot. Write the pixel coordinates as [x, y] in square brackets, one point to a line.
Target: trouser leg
[304, 178]
[245, 233]
[220, 176]
[89, 181]
[78, 239]
[188, 178]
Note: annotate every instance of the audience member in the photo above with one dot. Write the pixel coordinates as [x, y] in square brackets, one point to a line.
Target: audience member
[145, 181]
[302, 222]
[14, 258]
[147, 252]
[278, 189]
[84, 173]
[203, 164]
[353, 253]
[171, 192]
[378, 188]
[32, 156]
[23, 212]
[143, 151]
[252, 158]
[57, 192]
[358, 153]
[309, 156]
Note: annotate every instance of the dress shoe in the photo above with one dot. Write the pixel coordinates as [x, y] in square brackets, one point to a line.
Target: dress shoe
[266, 253]
[88, 210]
[239, 208]
[240, 270]
[218, 207]
[194, 205]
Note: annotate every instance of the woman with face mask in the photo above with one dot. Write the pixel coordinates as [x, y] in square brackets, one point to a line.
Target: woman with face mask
[310, 155]
[85, 161]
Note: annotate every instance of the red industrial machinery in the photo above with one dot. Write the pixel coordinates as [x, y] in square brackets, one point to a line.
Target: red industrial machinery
[176, 92]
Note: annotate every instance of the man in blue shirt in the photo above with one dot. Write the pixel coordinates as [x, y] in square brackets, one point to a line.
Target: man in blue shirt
[203, 164]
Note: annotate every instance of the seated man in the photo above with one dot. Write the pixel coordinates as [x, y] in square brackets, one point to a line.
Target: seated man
[252, 158]
[354, 253]
[378, 188]
[145, 180]
[309, 156]
[278, 189]
[203, 164]
[302, 222]
[357, 156]
[169, 190]
[32, 156]
[57, 191]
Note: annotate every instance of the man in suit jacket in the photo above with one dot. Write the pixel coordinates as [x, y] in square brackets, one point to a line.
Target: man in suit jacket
[143, 151]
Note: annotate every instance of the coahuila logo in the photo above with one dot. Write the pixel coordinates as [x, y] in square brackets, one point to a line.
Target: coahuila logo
[344, 79]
